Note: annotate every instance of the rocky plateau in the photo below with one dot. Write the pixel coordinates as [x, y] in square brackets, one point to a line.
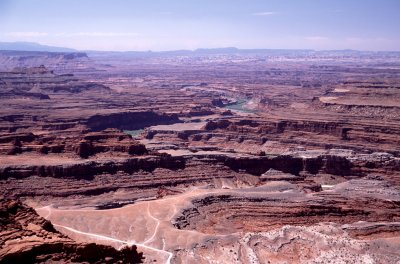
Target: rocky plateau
[221, 158]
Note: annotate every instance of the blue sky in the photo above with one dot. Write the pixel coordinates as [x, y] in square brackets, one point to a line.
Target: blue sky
[191, 24]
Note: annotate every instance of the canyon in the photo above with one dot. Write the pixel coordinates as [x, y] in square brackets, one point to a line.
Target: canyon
[209, 156]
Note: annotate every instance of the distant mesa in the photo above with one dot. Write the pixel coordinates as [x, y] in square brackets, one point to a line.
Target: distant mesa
[32, 70]
[60, 61]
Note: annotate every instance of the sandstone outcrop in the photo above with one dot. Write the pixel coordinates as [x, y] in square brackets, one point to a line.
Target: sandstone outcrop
[219, 213]
[26, 237]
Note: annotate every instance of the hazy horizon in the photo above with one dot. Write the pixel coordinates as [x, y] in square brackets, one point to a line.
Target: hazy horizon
[161, 25]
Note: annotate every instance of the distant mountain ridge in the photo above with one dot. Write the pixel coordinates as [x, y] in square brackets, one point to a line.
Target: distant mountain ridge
[36, 47]
[197, 52]
[32, 46]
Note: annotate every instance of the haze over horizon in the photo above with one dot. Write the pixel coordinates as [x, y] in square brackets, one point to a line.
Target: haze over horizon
[123, 25]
